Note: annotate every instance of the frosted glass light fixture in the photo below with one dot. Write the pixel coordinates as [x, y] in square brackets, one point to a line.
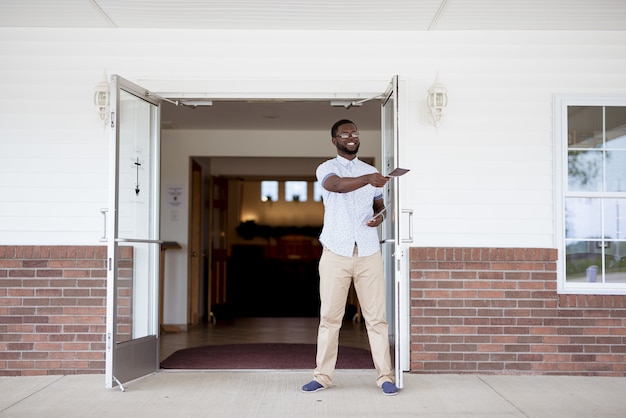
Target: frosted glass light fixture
[437, 101]
[101, 96]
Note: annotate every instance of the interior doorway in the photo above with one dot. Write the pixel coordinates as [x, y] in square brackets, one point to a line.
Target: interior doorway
[219, 321]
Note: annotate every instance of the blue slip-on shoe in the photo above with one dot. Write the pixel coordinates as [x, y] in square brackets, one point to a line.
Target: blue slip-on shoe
[389, 389]
[312, 386]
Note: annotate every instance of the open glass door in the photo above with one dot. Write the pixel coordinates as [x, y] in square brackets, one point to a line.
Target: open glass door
[390, 227]
[132, 231]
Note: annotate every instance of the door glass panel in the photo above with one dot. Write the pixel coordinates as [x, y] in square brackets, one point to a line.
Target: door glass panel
[124, 296]
[136, 171]
[388, 226]
[135, 288]
[137, 217]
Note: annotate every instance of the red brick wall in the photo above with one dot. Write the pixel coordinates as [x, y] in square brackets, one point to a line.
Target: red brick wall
[473, 310]
[53, 309]
[496, 310]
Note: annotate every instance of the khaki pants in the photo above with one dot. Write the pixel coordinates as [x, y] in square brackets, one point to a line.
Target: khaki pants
[336, 274]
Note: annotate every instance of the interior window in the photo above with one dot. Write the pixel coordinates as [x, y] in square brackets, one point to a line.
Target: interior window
[296, 191]
[269, 191]
[317, 191]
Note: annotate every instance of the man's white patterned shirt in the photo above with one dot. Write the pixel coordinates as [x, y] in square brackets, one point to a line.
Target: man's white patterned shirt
[345, 214]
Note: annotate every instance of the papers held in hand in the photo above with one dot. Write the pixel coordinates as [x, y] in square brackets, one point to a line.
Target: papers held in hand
[398, 172]
[381, 212]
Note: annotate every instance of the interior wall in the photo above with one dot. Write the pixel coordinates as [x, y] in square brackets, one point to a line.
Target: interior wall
[280, 212]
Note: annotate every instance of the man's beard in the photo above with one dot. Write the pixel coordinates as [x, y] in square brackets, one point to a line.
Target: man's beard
[347, 150]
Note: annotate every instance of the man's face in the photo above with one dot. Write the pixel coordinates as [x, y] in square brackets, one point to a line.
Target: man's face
[349, 145]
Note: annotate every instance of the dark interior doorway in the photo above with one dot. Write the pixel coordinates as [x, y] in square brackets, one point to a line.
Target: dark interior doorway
[258, 285]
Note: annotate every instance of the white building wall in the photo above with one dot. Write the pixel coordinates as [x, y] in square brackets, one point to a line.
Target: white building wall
[484, 178]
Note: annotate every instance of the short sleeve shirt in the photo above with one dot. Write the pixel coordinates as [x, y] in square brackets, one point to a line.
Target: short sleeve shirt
[345, 214]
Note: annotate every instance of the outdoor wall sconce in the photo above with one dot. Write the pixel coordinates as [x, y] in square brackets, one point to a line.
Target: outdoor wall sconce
[101, 98]
[437, 101]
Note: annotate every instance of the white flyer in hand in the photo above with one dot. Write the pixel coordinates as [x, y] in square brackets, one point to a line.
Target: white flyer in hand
[381, 212]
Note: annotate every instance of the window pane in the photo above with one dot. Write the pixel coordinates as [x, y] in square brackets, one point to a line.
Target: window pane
[616, 268]
[269, 191]
[317, 191]
[296, 191]
[583, 218]
[583, 261]
[615, 127]
[615, 219]
[584, 171]
[615, 171]
[584, 126]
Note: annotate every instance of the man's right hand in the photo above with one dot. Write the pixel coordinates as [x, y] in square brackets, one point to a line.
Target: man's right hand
[377, 179]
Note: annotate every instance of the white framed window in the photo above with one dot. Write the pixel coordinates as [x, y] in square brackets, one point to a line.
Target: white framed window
[269, 191]
[590, 161]
[317, 192]
[296, 191]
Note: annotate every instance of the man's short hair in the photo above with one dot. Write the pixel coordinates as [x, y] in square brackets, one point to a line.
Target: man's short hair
[333, 130]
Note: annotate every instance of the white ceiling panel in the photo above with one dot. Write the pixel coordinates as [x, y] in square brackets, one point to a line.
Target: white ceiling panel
[533, 15]
[283, 15]
[416, 15]
[52, 13]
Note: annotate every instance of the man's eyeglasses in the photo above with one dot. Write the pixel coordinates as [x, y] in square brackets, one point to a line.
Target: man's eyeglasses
[347, 135]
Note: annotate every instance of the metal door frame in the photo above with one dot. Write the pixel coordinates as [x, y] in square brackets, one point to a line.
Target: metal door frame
[136, 357]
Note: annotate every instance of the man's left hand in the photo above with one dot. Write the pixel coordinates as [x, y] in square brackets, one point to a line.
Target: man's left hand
[375, 221]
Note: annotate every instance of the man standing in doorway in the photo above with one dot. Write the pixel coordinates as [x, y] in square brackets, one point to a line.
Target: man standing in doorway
[352, 194]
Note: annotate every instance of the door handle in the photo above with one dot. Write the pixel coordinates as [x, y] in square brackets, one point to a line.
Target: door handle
[388, 241]
[194, 254]
[104, 212]
[410, 213]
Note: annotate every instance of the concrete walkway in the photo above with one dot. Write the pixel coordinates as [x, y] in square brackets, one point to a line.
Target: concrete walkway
[277, 394]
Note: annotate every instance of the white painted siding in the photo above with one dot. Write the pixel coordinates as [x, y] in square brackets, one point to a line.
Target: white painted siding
[484, 178]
